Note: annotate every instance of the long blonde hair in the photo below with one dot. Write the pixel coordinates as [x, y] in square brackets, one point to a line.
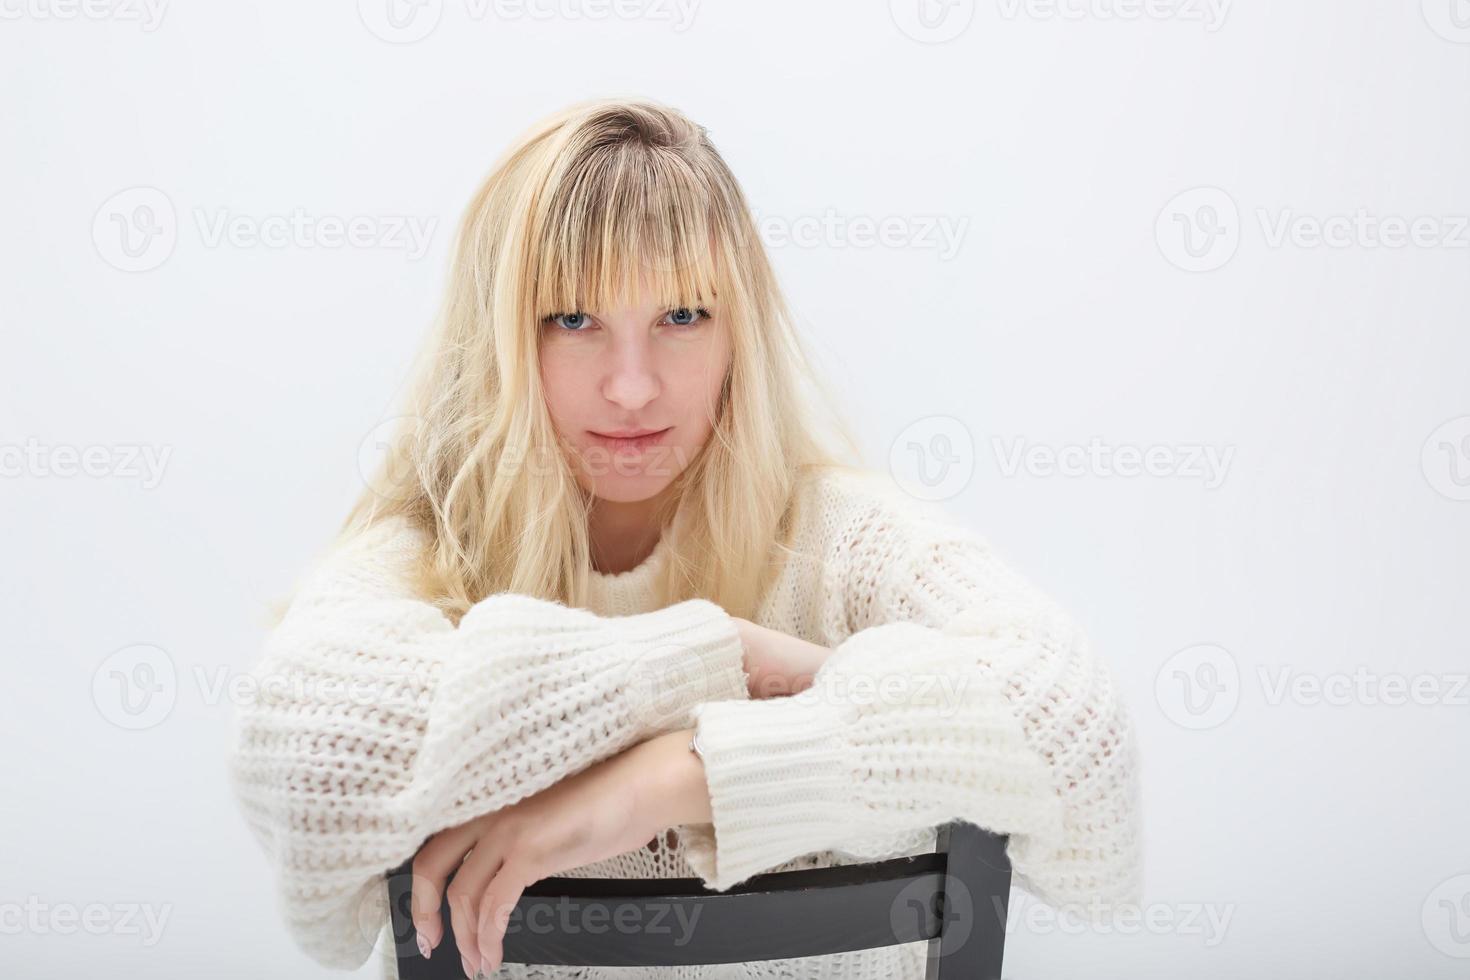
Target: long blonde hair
[581, 205]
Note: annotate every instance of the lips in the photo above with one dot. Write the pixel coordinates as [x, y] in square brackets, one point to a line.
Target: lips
[626, 433]
[629, 440]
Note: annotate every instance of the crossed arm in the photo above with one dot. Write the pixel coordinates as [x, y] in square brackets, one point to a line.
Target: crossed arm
[384, 723]
[381, 724]
[613, 807]
[989, 707]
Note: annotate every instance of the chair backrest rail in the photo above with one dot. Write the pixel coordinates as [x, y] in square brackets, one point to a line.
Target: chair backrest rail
[955, 899]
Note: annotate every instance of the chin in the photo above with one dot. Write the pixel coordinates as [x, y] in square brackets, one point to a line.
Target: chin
[630, 489]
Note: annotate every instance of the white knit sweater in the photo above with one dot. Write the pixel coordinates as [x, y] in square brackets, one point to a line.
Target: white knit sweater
[955, 690]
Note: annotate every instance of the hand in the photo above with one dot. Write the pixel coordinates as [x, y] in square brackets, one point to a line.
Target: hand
[609, 808]
[777, 664]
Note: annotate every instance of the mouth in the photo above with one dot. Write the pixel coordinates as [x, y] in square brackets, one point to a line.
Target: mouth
[629, 441]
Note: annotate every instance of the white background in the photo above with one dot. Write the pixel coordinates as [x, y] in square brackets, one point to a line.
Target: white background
[1328, 832]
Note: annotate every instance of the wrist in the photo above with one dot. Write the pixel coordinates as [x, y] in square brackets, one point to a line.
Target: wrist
[688, 653]
[743, 629]
[756, 642]
[672, 786]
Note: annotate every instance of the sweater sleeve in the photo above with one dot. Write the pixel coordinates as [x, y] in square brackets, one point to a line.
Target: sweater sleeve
[378, 723]
[963, 693]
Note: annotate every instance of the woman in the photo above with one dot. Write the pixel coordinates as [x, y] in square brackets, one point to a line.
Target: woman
[607, 523]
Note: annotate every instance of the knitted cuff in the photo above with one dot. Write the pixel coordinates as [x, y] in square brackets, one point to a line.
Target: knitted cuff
[778, 784]
[680, 656]
[900, 731]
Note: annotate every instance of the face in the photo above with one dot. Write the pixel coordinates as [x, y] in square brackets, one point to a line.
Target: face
[611, 375]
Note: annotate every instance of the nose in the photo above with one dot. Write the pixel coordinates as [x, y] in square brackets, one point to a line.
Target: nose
[632, 379]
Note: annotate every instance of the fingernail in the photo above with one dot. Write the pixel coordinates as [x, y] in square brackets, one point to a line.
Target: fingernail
[469, 973]
[424, 948]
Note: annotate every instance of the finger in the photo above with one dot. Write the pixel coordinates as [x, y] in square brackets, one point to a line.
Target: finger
[465, 892]
[496, 907]
[460, 924]
[431, 867]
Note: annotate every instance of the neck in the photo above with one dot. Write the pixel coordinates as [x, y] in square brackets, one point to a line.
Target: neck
[622, 534]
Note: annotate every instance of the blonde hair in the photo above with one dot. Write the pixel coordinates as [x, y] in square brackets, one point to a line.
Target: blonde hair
[582, 206]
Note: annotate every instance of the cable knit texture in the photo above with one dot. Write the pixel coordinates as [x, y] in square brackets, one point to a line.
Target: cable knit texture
[955, 690]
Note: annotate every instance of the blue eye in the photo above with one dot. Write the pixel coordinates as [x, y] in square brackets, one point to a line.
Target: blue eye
[580, 321]
[683, 317]
[695, 315]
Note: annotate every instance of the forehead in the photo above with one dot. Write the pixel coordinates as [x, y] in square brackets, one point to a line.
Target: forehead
[647, 295]
[631, 256]
[627, 284]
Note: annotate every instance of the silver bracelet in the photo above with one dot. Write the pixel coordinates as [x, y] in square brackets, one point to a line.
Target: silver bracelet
[694, 745]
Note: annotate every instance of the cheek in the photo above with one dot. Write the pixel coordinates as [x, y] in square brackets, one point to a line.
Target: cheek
[697, 390]
[716, 367]
[565, 387]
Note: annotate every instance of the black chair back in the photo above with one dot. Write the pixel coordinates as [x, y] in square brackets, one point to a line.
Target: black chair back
[956, 899]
